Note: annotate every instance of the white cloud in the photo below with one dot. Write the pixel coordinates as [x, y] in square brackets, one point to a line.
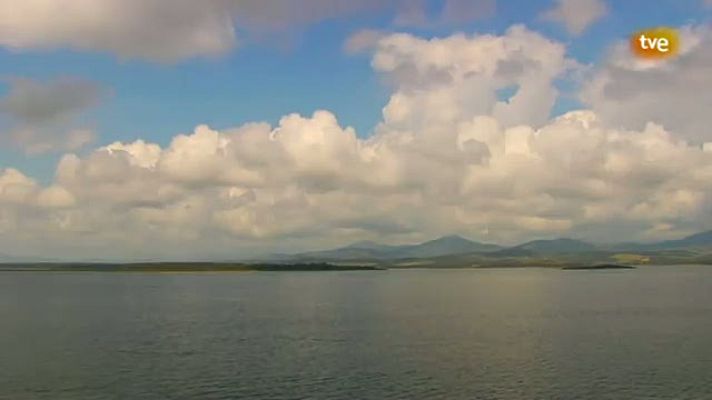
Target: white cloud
[55, 197]
[15, 187]
[153, 29]
[42, 117]
[577, 15]
[158, 30]
[172, 30]
[449, 157]
[458, 77]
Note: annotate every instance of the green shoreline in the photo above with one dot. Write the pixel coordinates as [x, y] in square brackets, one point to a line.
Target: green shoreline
[216, 267]
[177, 267]
[230, 267]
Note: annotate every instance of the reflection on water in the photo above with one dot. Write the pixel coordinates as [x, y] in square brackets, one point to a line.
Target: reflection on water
[417, 334]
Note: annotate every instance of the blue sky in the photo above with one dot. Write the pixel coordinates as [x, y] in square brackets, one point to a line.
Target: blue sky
[264, 80]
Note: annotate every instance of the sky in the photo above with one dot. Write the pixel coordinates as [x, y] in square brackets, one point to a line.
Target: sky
[222, 129]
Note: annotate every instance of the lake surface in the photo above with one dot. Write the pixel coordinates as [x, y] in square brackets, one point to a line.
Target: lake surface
[414, 334]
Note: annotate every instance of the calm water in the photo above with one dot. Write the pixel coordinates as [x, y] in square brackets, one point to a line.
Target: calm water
[419, 334]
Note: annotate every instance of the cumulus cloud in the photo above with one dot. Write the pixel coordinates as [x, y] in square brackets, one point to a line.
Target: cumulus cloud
[452, 79]
[309, 180]
[577, 15]
[674, 93]
[450, 156]
[44, 116]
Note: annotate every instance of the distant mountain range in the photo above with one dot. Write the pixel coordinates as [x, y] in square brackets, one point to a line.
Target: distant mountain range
[698, 240]
[446, 245]
[458, 250]
[554, 246]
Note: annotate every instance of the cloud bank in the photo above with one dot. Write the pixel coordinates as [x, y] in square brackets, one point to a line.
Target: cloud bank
[451, 155]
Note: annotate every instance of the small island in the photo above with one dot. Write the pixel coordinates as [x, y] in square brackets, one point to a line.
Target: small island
[597, 267]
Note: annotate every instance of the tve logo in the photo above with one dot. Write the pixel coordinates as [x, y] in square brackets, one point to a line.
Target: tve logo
[655, 43]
